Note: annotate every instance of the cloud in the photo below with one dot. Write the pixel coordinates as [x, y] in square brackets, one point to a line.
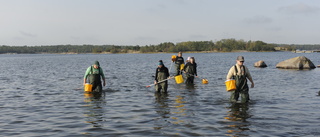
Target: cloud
[258, 20]
[274, 28]
[299, 8]
[198, 37]
[165, 5]
[145, 40]
[26, 34]
[181, 2]
[86, 39]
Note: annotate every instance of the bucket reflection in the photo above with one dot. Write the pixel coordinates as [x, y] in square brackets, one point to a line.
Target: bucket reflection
[172, 113]
[94, 108]
[180, 110]
[237, 116]
[162, 108]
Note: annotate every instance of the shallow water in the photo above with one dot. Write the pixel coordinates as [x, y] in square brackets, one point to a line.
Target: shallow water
[42, 95]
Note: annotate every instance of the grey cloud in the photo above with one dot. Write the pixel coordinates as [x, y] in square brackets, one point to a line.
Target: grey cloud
[27, 34]
[156, 9]
[274, 28]
[145, 38]
[183, 2]
[299, 8]
[17, 38]
[85, 39]
[163, 5]
[258, 20]
[197, 36]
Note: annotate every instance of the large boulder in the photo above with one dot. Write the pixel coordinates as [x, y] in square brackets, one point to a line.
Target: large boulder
[260, 64]
[300, 62]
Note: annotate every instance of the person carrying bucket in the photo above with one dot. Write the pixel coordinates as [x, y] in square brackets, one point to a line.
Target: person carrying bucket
[162, 74]
[240, 73]
[94, 74]
[178, 61]
[191, 70]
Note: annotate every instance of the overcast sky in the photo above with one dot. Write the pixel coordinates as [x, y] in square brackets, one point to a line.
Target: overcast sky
[145, 22]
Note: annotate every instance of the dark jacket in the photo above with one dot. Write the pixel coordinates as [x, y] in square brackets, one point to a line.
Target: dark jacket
[190, 69]
[179, 60]
[161, 73]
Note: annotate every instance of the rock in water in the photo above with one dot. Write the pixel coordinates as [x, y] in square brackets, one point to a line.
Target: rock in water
[260, 64]
[300, 62]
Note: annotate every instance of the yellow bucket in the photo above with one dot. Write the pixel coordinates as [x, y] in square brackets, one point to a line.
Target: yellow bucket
[181, 66]
[179, 79]
[87, 87]
[230, 85]
[173, 57]
[205, 81]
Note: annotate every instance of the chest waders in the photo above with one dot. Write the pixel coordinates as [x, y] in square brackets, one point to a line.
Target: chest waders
[178, 72]
[190, 73]
[242, 87]
[179, 61]
[163, 86]
[95, 80]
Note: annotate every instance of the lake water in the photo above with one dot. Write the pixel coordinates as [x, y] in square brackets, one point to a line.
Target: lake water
[42, 95]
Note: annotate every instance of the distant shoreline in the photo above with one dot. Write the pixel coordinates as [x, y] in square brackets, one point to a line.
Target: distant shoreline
[222, 46]
[138, 52]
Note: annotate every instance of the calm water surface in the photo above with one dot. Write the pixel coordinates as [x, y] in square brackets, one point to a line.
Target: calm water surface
[42, 95]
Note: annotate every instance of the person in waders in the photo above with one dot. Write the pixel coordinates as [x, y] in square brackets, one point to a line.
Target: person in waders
[94, 74]
[190, 69]
[240, 73]
[179, 60]
[162, 73]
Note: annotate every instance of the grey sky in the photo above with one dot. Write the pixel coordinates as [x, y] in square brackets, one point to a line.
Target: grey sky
[144, 22]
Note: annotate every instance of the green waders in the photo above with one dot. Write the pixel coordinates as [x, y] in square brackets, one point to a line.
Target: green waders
[163, 86]
[189, 79]
[95, 80]
[242, 88]
[190, 69]
[178, 71]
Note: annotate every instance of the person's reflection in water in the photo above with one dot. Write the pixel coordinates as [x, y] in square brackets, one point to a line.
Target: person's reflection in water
[94, 108]
[190, 87]
[162, 108]
[238, 116]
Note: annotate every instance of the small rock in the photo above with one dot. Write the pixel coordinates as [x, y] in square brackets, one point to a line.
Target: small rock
[260, 64]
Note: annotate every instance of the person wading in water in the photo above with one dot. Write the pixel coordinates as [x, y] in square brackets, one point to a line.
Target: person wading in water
[179, 60]
[240, 73]
[94, 74]
[191, 70]
[162, 73]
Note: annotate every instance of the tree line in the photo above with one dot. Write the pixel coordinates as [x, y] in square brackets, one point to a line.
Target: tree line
[224, 45]
[300, 46]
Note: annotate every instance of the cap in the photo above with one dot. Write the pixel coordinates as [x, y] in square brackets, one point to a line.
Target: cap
[160, 63]
[96, 63]
[240, 58]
